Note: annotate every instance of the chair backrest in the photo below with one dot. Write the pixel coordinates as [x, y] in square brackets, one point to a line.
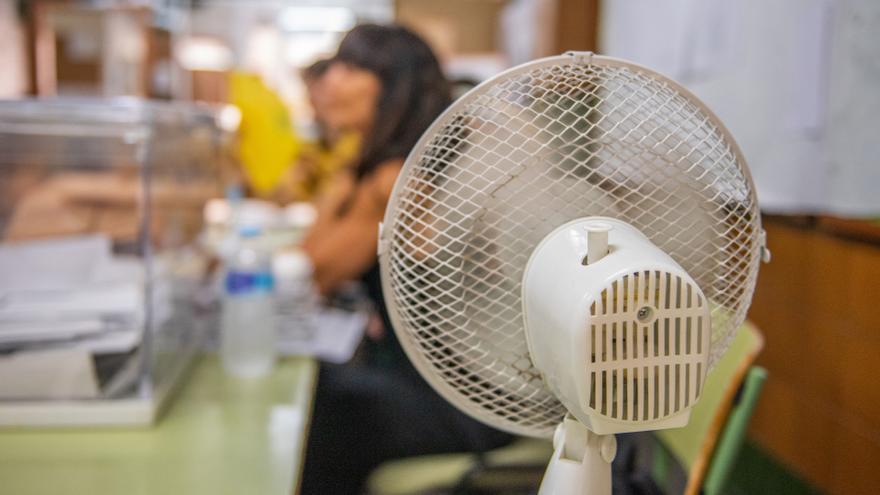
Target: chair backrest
[708, 445]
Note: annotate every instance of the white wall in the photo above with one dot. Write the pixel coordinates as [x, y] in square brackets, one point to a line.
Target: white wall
[796, 81]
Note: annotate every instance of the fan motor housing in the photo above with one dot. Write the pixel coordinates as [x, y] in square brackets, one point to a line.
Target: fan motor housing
[623, 341]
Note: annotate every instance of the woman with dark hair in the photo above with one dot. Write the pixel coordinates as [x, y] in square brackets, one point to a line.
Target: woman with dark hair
[385, 83]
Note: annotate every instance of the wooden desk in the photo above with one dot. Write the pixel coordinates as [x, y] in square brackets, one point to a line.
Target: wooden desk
[220, 436]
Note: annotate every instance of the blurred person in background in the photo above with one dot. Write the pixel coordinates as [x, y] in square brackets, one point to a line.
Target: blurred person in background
[335, 145]
[389, 87]
[280, 165]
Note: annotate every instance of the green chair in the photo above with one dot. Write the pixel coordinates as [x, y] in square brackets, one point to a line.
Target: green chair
[707, 448]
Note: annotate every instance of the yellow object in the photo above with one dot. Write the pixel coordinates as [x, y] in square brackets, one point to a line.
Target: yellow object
[268, 145]
[321, 163]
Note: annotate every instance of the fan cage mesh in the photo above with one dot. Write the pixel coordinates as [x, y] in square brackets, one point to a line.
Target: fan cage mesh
[533, 148]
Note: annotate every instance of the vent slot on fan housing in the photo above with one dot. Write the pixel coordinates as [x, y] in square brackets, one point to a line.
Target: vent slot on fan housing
[648, 339]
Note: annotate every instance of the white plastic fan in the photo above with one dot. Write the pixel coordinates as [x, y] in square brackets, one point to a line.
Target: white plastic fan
[570, 248]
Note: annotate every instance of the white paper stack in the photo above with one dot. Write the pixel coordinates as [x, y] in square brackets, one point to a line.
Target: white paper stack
[62, 301]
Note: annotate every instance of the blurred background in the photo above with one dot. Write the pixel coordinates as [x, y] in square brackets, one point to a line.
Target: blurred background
[796, 81]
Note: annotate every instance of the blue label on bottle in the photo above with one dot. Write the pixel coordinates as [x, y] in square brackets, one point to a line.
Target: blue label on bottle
[248, 282]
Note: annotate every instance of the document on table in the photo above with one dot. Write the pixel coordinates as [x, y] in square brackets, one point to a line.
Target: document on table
[70, 293]
[333, 337]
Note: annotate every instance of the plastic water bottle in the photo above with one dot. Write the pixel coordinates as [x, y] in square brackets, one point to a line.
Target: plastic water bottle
[247, 334]
[295, 295]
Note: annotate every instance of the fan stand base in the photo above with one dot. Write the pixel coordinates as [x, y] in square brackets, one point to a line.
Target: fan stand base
[581, 462]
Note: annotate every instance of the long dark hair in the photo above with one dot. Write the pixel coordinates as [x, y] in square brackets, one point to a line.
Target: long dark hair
[414, 89]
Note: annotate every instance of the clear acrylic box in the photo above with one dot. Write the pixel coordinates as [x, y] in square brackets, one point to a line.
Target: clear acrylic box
[103, 286]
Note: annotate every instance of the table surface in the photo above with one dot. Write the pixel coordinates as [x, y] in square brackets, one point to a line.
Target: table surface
[221, 435]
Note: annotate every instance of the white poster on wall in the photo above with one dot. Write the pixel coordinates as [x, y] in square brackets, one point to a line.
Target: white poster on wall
[794, 80]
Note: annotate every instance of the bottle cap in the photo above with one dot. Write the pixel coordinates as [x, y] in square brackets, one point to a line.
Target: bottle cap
[248, 231]
[291, 264]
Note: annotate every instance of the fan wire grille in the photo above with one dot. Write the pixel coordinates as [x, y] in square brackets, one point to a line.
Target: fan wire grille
[521, 155]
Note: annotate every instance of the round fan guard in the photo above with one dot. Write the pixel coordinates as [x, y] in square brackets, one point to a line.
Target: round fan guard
[539, 145]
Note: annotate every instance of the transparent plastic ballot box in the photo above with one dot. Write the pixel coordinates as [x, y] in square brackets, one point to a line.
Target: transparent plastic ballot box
[103, 287]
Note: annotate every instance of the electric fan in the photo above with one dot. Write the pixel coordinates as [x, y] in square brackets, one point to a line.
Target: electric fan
[567, 251]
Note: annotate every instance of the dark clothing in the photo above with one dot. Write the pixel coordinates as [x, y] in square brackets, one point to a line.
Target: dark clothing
[386, 353]
[365, 414]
